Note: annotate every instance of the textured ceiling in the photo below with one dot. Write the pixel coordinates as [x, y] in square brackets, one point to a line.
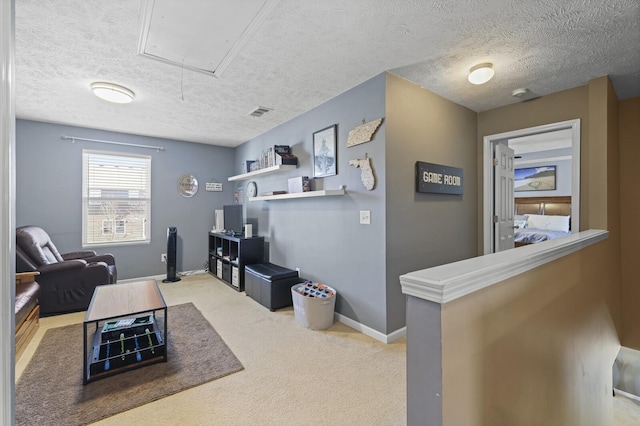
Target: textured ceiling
[307, 52]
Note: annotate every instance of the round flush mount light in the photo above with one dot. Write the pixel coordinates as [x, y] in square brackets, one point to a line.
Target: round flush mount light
[481, 73]
[112, 92]
[518, 93]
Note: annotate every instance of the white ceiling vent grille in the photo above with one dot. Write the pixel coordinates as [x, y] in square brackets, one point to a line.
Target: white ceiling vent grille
[260, 111]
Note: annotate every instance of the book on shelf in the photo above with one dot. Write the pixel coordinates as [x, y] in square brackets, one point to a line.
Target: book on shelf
[276, 155]
[265, 194]
[282, 149]
[286, 159]
[284, 155]
[247, 166]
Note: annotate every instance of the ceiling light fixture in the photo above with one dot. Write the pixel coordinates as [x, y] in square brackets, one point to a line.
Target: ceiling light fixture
[481, 73]
[518, 93]
[112, 92]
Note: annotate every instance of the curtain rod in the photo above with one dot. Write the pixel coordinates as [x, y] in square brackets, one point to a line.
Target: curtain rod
[73, 139]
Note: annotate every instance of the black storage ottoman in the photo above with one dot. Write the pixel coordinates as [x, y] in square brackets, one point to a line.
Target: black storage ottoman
[269, 284]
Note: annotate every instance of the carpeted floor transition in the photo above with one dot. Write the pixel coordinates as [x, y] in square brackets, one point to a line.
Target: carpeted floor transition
[50, 391]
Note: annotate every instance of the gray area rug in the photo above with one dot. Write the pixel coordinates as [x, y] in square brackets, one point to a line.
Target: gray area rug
[50, 390]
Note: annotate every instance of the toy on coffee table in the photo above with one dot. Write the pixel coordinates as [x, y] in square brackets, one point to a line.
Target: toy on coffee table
[123, 342]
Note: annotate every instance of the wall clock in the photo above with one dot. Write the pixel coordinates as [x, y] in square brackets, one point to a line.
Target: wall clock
[252, 189]
[187, 185]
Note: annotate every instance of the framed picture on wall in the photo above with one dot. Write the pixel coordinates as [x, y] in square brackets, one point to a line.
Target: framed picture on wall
[324, 152]
[535, 179]
[238, 196]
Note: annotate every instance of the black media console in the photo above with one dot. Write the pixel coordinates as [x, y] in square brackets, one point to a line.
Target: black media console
[228, 255]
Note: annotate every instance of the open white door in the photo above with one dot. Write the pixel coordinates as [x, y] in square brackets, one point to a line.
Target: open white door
[489, 186]
[503, 204]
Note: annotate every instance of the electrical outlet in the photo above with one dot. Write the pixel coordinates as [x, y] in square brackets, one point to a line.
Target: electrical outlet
[163, 258]
[365, 217]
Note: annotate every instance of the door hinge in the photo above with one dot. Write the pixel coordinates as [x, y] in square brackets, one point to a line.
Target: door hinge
[495, 162]
[495, 219]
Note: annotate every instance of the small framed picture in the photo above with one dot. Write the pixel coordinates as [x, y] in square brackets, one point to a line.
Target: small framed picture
[238, 196]
[324, 152]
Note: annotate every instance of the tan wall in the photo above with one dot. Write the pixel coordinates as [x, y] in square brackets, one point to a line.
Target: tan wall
[562, 106]
[539, 348]
[536, 349]
[424, 230]
[596, 106]
[603, 183]
[595, 175]
[629, 116]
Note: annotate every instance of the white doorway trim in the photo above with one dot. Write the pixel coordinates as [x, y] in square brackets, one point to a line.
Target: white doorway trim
[7, 212]
[487, 186]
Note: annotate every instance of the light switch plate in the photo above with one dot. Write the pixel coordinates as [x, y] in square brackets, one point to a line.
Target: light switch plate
[365, 217]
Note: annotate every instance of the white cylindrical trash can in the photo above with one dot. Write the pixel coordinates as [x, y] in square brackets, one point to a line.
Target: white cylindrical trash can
[313, 305]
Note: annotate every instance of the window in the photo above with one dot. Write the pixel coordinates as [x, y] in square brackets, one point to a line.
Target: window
[113, 227]
[116, 198]
[107, 227]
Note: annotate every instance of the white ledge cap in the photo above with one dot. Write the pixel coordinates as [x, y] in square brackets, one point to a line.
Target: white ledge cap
[444, 283]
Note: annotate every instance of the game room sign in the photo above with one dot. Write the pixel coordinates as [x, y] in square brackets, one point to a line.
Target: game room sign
[438, 179]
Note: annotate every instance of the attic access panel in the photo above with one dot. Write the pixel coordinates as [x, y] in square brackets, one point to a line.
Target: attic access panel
[200, 35]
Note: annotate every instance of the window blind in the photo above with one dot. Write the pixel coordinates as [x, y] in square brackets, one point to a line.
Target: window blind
[116, 198]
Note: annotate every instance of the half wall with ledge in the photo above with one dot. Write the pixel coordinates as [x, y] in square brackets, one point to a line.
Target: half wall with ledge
[523, 336]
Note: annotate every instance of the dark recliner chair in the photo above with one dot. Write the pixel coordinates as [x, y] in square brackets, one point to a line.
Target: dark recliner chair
[68, 280]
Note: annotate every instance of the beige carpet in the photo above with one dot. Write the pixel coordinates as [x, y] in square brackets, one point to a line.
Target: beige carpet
[363, 382]
[292, 375]
[50, 391]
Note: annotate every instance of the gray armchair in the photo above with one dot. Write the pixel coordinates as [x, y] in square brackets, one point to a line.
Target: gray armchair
[68, 280]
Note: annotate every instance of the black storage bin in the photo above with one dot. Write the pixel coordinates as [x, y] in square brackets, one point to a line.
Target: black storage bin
[270, 285]
[226, 271]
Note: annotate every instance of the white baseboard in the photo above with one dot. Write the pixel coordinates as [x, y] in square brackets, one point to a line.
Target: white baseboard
[161, 277]
[152, 277]
[381, 337]
[384, 338]
[626, 394]
[187, 273]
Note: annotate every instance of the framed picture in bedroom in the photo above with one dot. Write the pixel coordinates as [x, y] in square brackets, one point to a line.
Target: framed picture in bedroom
[535, 179]
[324, 152]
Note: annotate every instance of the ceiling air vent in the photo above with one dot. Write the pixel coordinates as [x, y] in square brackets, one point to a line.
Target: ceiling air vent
[260, 111]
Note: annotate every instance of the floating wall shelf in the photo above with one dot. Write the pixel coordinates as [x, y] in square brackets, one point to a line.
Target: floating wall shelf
[262, 172]
[308, 194]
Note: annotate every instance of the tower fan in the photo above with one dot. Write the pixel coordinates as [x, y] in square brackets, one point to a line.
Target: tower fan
[172, 254]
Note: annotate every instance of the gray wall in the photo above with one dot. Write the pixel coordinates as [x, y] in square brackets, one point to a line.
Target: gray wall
[409, 231]
[49, 185]
[425, 230]
[424, 362]
[322, 236]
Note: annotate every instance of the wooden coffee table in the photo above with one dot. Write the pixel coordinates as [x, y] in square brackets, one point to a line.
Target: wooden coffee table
[126, 335]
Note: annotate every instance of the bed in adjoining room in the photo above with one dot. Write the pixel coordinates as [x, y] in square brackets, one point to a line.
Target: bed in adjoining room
[540, 219]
